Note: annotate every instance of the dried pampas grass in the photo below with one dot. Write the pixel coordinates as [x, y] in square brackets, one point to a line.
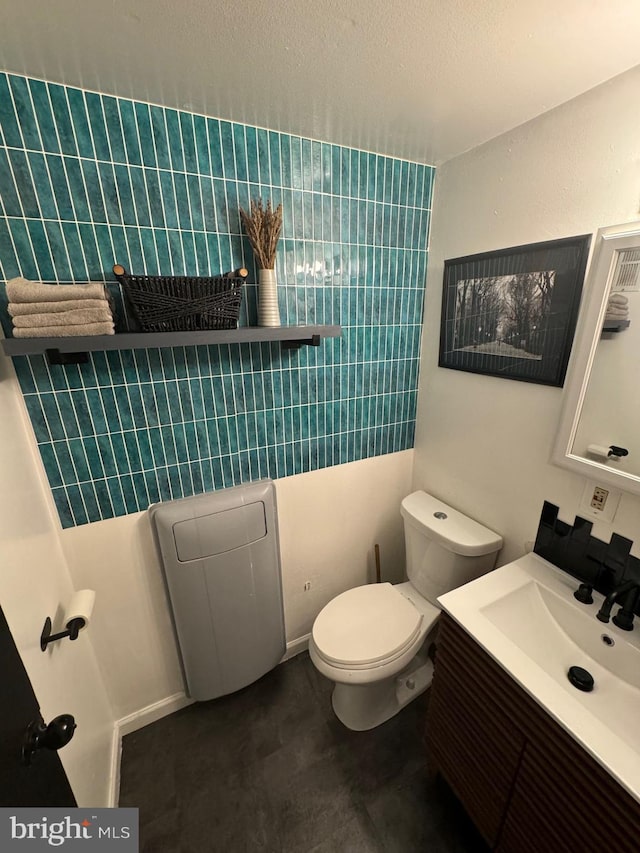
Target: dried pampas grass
[263, 226]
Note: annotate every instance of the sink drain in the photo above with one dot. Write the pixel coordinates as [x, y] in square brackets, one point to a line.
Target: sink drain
[581, 678]
[607, 640]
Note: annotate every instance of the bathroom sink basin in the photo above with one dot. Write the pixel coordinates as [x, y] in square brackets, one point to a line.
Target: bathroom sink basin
[557, 634]
[525, 616]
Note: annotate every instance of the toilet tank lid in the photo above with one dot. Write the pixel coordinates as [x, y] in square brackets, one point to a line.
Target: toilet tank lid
[455, 532]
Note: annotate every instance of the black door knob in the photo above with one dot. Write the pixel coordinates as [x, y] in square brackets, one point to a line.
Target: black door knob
[53, 736]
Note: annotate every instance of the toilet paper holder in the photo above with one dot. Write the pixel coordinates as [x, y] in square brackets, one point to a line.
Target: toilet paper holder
[78, 615]
[73, 629]
[612, 452]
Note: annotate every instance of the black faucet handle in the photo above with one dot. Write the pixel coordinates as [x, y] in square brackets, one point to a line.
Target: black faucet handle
[624, 617]
[583, 593]
[629, 588]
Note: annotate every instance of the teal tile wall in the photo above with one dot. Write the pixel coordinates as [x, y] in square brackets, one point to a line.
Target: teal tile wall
[87, 180]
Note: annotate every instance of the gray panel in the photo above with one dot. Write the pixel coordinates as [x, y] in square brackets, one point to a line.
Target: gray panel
[209, 535]
[227, 605]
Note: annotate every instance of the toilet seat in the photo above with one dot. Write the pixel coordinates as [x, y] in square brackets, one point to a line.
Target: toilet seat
[366, 627]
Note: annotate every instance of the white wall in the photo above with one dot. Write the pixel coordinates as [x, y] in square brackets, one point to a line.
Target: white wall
[483, 443]
[35, 583]
[133, 635]
[329, 521]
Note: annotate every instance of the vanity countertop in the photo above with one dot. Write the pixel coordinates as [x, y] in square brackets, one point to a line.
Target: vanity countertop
[525, 616]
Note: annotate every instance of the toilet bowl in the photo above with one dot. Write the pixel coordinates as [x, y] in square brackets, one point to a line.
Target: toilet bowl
[372, 641]
[367, 641]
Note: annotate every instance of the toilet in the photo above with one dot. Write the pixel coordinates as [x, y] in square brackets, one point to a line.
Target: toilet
[373, 640]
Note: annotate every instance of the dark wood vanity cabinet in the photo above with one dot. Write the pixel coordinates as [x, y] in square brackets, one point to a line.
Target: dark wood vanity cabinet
[525, 783]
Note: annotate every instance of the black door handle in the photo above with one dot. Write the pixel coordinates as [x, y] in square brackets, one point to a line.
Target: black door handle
[39, 735]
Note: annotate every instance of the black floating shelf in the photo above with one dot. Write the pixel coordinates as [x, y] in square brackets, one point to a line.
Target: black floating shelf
[73, 350]
[618, 326]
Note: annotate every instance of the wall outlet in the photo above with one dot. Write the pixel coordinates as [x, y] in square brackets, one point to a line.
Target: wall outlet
[307, 586]
[599, 498]
[599, 502]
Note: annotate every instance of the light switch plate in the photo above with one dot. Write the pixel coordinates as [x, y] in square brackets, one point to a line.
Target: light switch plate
[599, 502]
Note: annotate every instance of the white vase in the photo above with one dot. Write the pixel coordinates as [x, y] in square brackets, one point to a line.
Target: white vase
[268, 313]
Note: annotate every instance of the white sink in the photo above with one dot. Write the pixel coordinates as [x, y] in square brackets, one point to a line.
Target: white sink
[557, 633]
[524, 614]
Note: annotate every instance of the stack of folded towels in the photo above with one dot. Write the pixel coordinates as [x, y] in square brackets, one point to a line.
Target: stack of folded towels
[58, 310]
[617, 310]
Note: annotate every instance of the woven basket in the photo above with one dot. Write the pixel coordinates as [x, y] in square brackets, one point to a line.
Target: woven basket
[163, 303]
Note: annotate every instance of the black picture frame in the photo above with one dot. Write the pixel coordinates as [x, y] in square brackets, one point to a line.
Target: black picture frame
[513, 312]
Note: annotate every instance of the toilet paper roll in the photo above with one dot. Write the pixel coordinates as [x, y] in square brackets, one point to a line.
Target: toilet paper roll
[81, 606]
[598, 450]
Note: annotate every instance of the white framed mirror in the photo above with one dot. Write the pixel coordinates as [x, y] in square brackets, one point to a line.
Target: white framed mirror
[599, 432]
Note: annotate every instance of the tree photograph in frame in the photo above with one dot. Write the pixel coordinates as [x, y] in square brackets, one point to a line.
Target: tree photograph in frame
[513, 312]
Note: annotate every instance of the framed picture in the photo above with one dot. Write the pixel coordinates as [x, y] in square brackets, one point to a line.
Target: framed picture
[513, 312]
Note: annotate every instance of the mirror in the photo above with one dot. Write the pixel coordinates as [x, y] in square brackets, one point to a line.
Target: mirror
[599, 433]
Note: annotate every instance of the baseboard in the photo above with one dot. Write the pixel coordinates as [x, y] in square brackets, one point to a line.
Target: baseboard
[296, 647]
[114, 774]
[131, 723]
[156, 711]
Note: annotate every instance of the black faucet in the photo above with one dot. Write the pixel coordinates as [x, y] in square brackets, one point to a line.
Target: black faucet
[624, 617]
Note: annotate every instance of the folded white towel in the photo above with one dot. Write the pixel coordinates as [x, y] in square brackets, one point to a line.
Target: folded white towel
[619, 312]
[78, 330]
[618, 299]
[64, 318]
[20, 309]
[21, 290]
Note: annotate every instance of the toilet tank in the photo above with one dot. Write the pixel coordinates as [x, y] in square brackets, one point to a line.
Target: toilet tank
[445, 549]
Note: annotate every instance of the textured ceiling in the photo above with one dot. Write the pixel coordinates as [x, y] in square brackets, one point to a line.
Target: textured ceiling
[422, 79]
